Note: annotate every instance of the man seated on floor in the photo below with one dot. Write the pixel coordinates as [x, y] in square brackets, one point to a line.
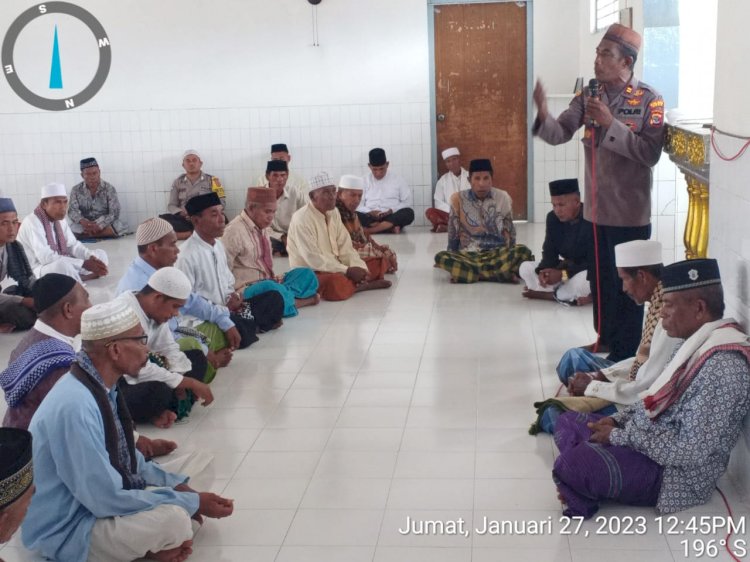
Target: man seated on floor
[596, 384]
[387, 202]
[380, 259]
[47, 351]
[16, 304]
[562, 273]
[670, 448]
[50, 244]
[289, 199]
[16, 479]
[203, 259]
[249, 255]
[159, 393]
[454, 180]
[280, 153]
[157, 248]
[639, 266]
[319, 241]
[94, 210]
[91, 500]
[193, 182]
[481, 235]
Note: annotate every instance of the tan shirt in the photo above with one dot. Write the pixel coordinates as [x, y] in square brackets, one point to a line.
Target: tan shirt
[321, 242]
[183, 189]
[243, 245]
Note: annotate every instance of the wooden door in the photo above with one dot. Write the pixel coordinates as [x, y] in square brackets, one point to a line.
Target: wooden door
[480, 90]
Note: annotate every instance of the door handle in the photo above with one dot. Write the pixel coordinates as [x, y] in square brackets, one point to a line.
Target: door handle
[441, 117]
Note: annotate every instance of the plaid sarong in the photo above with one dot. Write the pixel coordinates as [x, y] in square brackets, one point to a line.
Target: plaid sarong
[499, 264]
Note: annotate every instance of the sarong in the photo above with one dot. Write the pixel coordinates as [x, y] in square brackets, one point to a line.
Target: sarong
[586, 473]
[436, 217]
[299, 283]
[334, 286]
[499, 264]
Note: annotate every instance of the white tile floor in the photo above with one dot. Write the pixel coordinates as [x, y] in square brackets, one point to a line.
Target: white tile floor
[413, 401]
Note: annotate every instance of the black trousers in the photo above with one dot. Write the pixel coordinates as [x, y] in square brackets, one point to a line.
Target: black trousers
[402, 218]
[622, 318]
[178, 222]
[277, 246]
[147, 400]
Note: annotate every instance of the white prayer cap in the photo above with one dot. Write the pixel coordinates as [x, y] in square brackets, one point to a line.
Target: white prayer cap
[638, 253]
[54, 190]
[448, 152]
[320, 180]
[106, 320]
[171, 282]
[348, 181]
[189, 152]
[152, 230]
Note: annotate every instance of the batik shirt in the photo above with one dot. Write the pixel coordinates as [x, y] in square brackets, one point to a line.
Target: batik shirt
[477, 225]
[693, 438]
[103, 208]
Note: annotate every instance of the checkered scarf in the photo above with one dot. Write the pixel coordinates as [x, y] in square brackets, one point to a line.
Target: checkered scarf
[28, 370]
[652, 319]
[56, 241]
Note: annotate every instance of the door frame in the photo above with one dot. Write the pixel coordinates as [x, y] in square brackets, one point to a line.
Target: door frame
[431, 4]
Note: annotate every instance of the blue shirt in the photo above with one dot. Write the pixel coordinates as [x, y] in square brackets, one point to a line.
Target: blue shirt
[136, 277]
[75, 482]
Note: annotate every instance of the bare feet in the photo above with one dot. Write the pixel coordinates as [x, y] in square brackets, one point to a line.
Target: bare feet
[370, 285]
[89, 276]
[7, 328]
[311, 301]
[165, 419]
[583, 301]
[541, 295]
[396, 230]
[150, 448]
[178, 554]
[220, 358]
[441, 228]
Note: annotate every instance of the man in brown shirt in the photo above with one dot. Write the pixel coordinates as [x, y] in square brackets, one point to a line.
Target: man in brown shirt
[623, 138]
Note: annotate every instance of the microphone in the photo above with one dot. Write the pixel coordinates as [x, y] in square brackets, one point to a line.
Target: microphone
[594, 93]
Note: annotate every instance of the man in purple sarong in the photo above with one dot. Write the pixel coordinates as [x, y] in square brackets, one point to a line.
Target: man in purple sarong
[669, 449]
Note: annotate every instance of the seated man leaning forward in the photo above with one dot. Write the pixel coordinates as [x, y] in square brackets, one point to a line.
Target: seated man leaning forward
[562, 273]
[204, 261]
[481, 235]
[248, 246]
[96, 497]
[50, 244]
[670, 448]
[289, 199]
[454, 180]
[159, 393]
[596, 384]
[157, 248]
[387, 202]
[94, 210]
[16, 479]
[318, 240]
[193, 182]
[16, 302]
[380, 259]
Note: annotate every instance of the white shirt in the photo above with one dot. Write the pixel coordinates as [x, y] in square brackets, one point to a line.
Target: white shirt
[391, 192]
[31, 236]
[448, 184]
[48, 330]
[321, 242]
[207, 269]
[619, 388]
[160, 341]
[291, 201]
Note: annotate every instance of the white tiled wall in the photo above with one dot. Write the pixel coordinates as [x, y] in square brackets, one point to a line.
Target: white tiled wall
[140, 151]
[669, 194]
[729, 243]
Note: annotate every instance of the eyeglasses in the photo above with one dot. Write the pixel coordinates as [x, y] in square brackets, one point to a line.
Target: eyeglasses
[142, 339]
